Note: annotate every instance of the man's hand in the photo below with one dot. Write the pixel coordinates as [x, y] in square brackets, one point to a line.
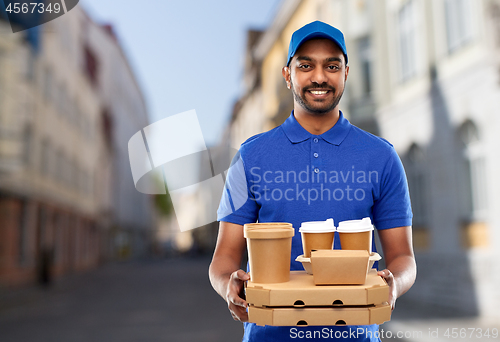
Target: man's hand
[399, 259]
[235, 303]
[389, 278]
[225, 275]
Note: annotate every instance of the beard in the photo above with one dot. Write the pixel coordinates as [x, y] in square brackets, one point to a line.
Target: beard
[318, 108]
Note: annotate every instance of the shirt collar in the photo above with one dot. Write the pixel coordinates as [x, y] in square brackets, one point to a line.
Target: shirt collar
[335, 135]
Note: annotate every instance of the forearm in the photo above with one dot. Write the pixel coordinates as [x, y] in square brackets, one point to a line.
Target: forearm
[219, 273]
[404, 270]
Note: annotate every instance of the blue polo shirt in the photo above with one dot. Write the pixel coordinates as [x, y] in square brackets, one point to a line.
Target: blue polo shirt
[290, 175]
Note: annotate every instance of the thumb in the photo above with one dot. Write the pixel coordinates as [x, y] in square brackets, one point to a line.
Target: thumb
[241, 275]
[386, 274]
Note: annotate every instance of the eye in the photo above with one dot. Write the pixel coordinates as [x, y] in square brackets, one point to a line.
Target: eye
[333, 67]
[304, 66]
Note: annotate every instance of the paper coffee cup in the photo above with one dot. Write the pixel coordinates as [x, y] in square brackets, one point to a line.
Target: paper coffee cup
[356, 234]
[317, 235]
[269, 251]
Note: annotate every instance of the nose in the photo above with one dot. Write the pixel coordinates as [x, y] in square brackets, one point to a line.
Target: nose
[319, 76]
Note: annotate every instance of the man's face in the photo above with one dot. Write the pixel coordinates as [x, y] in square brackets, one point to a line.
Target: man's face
[317, 75]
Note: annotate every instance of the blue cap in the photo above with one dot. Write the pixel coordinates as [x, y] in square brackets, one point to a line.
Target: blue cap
[316, 29]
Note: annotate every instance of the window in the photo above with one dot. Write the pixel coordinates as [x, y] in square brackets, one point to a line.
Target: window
[48, 84]
[60, 98]
[2, 73]
[31, 65]
[82, 182]
[28, 136]
[407, 41]
[418, 185]
[472, 173]
[365, 55]
[23, 233]
[59, 225]
[63, 101]
[71, 174]
[91, 65]
[72, 111]
[89, 186]
[59, 166]
[459, 23]
[74, 176]
[42, 222]
[45, 160]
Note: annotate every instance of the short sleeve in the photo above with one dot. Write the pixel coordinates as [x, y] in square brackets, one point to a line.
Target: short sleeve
[238, 204]
[392, 207]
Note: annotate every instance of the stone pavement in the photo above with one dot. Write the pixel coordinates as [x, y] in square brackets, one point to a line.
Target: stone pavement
[172, 300]
[146, 301]
[414, 322]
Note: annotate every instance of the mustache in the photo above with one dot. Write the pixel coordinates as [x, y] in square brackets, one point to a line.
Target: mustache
[318, 86]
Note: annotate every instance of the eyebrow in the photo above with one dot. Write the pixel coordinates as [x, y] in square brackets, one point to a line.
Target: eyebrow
[334, 59]
[309, 59]
[304, 58]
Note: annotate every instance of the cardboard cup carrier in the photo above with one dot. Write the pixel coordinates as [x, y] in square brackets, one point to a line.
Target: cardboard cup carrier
[356, 234]
[317, 235]
[269, 251]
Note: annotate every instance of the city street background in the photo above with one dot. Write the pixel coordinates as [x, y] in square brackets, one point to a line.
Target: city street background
[170, 300]
[85, 256]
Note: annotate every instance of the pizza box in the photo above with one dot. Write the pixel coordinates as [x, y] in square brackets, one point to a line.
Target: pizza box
[350, 315]
[301, 291]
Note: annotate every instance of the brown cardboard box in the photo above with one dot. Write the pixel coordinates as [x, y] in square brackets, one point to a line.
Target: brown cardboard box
[331, 267]
[364, 315]
[306, 262]
[301, 291]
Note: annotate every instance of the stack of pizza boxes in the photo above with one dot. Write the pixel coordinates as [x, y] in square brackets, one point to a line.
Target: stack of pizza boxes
[337, 287]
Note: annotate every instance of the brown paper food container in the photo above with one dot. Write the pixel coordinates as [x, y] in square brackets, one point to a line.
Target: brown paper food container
[306, 262]
[339, 267]
[301, 291]
[356, 241]
[315, 241]
[269, 251]
[310, 316]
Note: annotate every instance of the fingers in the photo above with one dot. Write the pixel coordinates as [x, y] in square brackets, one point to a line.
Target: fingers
[235, 288]
[237, 305]
[238, 313]
[234, 299]
[389, 278]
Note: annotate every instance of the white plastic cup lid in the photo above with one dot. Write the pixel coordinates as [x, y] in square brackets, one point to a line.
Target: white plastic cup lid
[355, 226]
[317, 226]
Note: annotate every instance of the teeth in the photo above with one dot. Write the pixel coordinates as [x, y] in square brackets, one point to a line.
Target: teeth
[316, 92]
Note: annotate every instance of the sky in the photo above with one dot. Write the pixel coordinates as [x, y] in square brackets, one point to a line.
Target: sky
[186, 54]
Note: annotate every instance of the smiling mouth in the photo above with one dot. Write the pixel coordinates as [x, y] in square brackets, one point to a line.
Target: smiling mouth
[318, 92]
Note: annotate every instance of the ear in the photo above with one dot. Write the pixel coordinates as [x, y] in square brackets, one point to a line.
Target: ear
[346, 72]
[286, 75]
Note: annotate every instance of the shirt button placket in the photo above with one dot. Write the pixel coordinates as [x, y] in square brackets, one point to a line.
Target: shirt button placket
[315, 162]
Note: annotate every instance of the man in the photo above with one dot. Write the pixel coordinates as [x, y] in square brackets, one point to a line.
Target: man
[315, 166]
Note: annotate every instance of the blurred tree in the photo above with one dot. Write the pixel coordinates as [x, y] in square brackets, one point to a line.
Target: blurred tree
[164, 202]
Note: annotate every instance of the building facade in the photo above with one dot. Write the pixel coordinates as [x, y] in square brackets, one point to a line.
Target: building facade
[62, 148]
[438, 105]
[425, 76]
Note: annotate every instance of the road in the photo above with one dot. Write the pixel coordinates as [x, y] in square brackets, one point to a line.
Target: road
[162, 300]
[172, 300]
